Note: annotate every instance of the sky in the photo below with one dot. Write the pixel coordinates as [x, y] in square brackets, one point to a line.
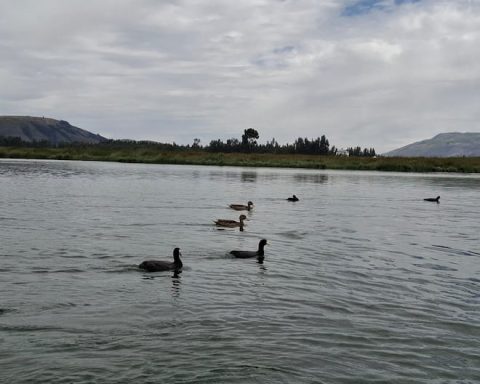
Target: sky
[372, 73]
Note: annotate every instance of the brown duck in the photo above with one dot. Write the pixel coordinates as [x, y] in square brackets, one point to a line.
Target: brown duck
[231, 223]
[241, 207]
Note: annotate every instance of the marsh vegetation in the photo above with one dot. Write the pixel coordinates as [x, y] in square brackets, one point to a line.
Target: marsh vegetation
[170, 155]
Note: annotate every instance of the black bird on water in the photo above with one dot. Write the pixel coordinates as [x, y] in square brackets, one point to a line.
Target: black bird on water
[293, 198]
[259, 254]
[434, 199]
[160, 265]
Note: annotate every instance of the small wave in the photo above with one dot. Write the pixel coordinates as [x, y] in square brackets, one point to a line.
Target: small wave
[293, 234]
[141, 225]
[4, 311]
[65, 256]
[123, 269]
[63, 270]
[8, 219]
[69, 270]
[59, 305]
[40, 271]
[456, 251]
[102, 256]
[436, 267]
[28, 328]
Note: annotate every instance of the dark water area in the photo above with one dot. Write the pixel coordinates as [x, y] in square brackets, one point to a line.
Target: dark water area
[362, 282]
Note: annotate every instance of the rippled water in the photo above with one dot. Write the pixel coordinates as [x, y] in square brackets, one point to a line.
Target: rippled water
[362, 281]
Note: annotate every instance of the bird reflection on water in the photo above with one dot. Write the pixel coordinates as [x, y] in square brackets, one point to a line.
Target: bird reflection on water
[176, 284]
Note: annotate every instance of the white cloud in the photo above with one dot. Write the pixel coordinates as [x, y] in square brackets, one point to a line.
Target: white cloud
[175, 70]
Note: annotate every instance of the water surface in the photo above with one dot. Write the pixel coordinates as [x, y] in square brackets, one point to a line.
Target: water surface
[362, 281]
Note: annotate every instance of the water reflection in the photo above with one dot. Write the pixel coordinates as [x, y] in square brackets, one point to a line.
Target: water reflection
[260, 261]
[451, 182]
[245, 176]
[50, 168]
[176, 284]
[249, 177]
[311, 178]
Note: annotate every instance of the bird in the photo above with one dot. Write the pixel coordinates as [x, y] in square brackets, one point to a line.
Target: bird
[231, 223]
[434, 199]
[248, 254]
[241, 207]
[160, 265]
[293, 198]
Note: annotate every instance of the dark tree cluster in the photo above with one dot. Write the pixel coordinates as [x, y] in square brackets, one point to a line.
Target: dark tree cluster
[8, 141]
[358, 152]
[318, 146]
[121, 144]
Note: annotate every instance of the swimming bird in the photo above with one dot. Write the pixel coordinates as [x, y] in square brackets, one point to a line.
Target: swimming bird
[248, 254]
[241, 207]
[293, 198]
[159, 265]
[434, 199]
[231, 223]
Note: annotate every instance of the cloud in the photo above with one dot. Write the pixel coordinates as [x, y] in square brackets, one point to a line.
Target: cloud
[370, 73]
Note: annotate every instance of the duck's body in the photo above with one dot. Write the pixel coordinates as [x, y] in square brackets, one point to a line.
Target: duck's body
[241, 207]
[160, 265]
[434, 199]
[231, 223]
[293, 198]
[249, 254]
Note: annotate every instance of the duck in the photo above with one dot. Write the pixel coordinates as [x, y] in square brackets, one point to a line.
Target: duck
[160, 265]
[248, 254]
[231, 223]
[293, 198]
[241, 207]
[434, 199]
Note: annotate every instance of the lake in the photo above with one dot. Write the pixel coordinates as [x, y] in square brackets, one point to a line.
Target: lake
[362, 281]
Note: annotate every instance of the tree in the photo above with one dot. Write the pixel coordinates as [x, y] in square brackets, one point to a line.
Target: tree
[249, 138]
[196, 143]
[358, 152]
[324, 145]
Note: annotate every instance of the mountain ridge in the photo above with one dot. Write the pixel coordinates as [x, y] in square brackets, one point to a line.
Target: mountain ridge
[448, 144]
[37, 129]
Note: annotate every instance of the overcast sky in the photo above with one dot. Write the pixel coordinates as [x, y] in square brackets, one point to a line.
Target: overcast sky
[374, 73]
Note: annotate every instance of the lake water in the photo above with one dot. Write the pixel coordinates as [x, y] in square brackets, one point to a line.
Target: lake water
[362, 282]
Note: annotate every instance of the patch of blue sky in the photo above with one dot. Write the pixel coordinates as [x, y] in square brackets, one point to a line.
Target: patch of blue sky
[361, 7]
[283, 50]
[276, 59]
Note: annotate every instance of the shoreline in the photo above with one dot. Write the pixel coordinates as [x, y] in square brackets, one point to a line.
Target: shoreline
[151, 156]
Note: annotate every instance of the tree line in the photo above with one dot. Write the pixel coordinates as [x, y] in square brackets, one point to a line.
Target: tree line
[247, 144]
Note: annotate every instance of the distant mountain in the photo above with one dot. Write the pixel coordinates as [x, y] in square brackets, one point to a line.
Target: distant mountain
[454, 144]
[30, 129]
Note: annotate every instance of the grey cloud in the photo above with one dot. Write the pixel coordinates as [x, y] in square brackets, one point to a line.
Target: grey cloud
[177, 70]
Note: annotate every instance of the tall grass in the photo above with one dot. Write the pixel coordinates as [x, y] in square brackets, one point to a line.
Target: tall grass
[152, 155]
